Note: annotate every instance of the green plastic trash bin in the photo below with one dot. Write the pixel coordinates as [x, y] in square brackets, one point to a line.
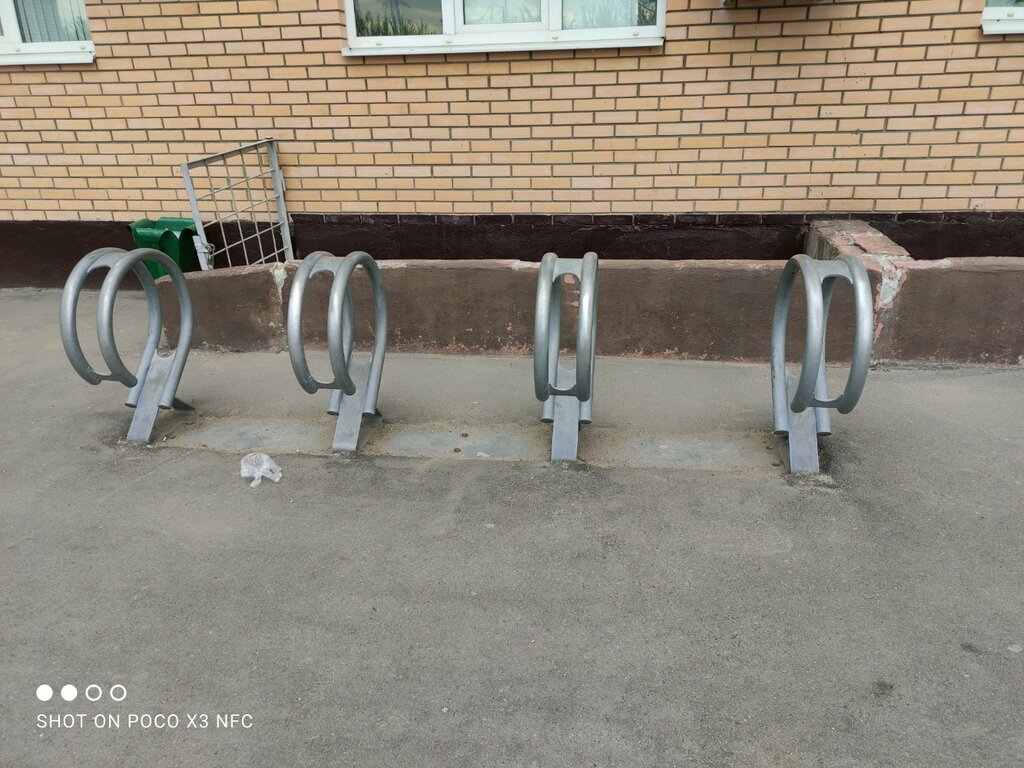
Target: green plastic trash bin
[168, 235]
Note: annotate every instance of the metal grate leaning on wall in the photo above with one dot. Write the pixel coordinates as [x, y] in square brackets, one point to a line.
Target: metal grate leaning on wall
[237, 200]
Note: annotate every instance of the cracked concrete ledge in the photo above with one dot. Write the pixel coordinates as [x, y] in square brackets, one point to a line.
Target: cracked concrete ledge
[956, 310]
[885, 261]
[963, 310]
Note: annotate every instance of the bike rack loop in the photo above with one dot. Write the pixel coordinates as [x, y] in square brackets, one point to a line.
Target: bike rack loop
[800, 404]
[356, 385]
[154, 384]
[567, 395]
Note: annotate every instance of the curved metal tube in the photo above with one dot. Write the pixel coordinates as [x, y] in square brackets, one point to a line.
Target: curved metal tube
[340, 325]
[586, 328]
[340, 349]
[819, 283]
[119, 262]
[814, 341]
[542, 326]
[105, 320]
[102, 257]
[863, 337]
[154, 385]
[296, 346]
[547, 327]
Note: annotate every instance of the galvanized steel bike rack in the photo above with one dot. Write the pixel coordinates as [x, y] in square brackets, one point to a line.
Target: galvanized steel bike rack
[801, 403]
[566, 394]
[355, 385]
[154, 384]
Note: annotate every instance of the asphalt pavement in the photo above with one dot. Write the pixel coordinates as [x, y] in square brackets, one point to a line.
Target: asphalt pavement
[448, 597]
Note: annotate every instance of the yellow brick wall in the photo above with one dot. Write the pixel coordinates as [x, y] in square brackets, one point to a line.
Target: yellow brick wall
[884, 105]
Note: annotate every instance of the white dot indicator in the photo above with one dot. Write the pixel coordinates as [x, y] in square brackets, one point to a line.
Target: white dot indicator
[93, 692]
[44, 692]
[118, 692]
[69, 692]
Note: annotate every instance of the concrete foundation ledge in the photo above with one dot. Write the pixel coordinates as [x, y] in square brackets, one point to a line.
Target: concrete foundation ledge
[959, 310]
[954, 310]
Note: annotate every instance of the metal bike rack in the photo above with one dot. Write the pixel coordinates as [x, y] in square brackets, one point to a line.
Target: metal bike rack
[355, 385]
[566, 394]
[801, 403]
[154, 384]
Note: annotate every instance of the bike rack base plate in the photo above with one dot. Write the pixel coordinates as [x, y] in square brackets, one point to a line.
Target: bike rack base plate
[349, 410]
[565, 433]
[802, 437]
[148, 406]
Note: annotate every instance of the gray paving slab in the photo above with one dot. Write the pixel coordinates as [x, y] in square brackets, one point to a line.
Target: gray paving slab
[449, 610]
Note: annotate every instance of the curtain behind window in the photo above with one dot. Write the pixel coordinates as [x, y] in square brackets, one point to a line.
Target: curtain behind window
[49, 21]
[593, 14]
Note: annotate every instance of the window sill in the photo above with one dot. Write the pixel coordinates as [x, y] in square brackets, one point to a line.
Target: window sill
[1002, 21]
[378, 47]
[20, 54]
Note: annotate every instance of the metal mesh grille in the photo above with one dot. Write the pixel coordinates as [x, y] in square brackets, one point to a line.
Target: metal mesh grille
[237, 200]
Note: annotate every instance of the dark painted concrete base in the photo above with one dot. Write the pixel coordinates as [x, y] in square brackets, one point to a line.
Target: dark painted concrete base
[42, 253]
[768, 236]
[529, 237]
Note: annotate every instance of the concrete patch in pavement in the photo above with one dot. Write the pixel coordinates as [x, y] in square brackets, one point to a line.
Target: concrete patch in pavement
[599, 446]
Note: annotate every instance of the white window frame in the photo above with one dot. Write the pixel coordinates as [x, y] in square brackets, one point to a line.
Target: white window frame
[459, 37]
[15, 52]
[1004, 20]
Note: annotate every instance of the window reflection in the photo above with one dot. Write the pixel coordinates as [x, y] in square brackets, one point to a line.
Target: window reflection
[502, 11]
[595, 14]
[385, 18]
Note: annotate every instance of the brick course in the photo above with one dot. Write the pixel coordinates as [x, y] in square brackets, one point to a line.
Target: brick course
[765, 107]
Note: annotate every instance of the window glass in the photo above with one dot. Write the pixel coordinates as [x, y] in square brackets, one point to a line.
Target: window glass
[384, 18]
[51, 21]
[594, 14]
[502, 11]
